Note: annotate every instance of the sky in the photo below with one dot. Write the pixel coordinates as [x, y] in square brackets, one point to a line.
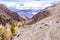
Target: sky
[28, 4]
[26, 0]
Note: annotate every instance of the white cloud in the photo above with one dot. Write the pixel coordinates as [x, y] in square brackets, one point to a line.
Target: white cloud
[34, 5]
[10, 4]
[46, 5]
[28, 5]
[31, 4]
[34, 13]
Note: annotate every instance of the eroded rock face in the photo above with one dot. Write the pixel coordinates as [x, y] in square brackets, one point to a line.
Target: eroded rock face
[45, 29]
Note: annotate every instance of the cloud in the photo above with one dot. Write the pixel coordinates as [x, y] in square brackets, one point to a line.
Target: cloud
[27, 0]
[31, 4]
[34, 13]
[34, 5]
[10, 4]
[28, 5]
[17, 0]
[46, 5]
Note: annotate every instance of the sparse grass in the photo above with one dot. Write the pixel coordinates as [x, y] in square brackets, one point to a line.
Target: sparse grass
[9, 29]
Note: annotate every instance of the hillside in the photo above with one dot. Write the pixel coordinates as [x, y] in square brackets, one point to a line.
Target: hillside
[46, 29]
[48, 11]
[7, 16]
[10, 22]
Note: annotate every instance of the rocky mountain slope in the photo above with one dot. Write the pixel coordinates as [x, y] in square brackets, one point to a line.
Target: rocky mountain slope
[46, 29]
[44, 13]
[6, 15]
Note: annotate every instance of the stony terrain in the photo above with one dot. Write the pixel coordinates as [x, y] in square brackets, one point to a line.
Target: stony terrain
[46, 29]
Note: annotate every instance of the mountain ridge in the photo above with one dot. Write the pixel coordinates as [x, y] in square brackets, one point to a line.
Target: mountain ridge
[9, 15]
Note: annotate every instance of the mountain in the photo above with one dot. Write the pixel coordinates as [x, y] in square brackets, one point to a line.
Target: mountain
[6, 15]
[27, 12]
[26, 8]
[42, 14]
[46, 29]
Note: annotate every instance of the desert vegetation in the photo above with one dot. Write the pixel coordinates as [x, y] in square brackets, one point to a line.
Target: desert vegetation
[9, 29]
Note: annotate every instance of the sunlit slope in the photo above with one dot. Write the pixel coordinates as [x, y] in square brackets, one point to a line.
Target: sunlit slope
[46, 29]
[9, 22]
